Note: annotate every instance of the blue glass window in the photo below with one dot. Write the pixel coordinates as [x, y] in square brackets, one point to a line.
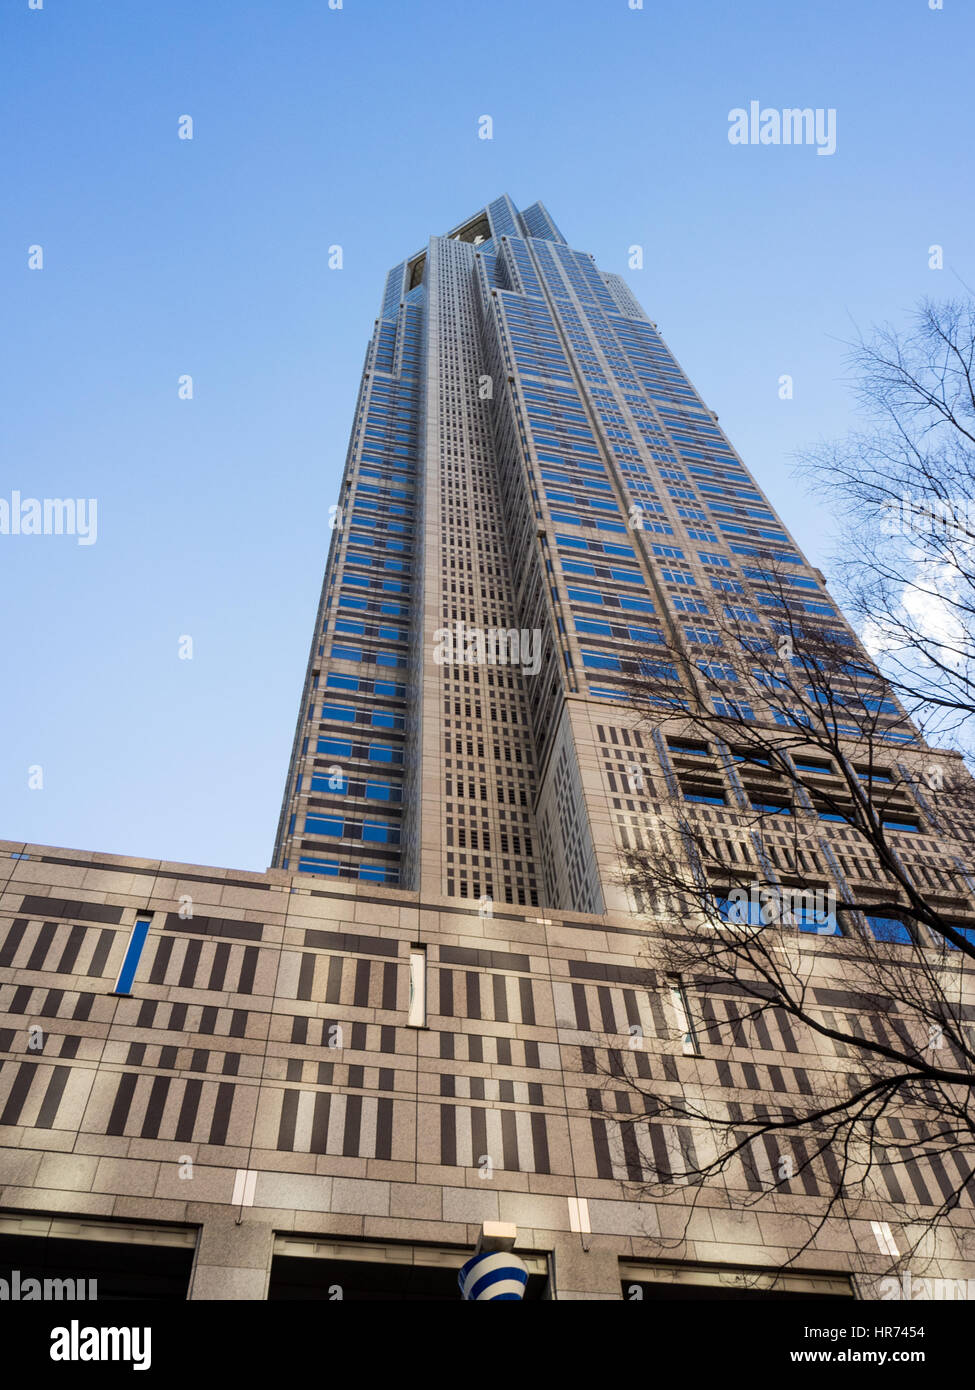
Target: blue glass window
[133, 952]
[601, 660]
[380, 832]
[384, 753]
[335, 782]
[812, 920]
[319, 866]
[343, 712]
[336, 747]
[889, 929]
[383, 719]
[324, 825]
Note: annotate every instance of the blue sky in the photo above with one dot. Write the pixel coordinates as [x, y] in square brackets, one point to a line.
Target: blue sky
[358, 126]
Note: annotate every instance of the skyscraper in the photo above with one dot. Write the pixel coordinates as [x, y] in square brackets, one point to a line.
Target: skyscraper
[527, 458]
[405, 1038]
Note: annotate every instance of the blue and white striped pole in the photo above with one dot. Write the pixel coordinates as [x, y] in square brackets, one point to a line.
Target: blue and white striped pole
[494, 1274]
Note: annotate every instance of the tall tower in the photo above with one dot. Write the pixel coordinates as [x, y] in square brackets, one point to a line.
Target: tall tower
[535, 499]
[434, 1023]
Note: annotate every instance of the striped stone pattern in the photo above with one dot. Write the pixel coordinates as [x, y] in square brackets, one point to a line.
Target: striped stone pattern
[264, 1061]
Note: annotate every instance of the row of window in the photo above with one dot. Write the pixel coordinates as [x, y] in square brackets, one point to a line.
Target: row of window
[334, 868]
[344, 828]
[377, 718]
[338, 783]
[818, 920]
[375, 752]
[378, 658]
[337, 681]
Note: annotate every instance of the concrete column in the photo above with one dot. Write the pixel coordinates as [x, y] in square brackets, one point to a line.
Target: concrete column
[232, 1261]
[586, 1274]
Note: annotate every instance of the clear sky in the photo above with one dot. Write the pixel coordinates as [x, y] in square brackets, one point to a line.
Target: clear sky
[358, 126]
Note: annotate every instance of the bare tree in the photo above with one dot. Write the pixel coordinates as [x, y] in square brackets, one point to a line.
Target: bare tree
[807, 856]
[906, 485]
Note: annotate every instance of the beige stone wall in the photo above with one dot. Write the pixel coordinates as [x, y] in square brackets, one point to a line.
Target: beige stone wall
[220, 1059]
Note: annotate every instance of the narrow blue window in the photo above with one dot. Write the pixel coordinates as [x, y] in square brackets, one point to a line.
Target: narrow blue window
[133, 952]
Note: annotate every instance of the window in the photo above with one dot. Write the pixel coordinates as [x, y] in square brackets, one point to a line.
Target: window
[687, 745]
[804, 908]
[601, 661]
[716, 672]
[384, 753]
[381, 832]
[385, 719]
[336, 781]
[685, 1027]
[324, 825]
[328, 867]
[733, 709]
[133, 952]
[337, 747]
[889, 929]
[748, 755]
[658, 670]
[417, 1014]
[384, 791]
[738, 911]
[774, 808]
[684, 1282]
[818, 920]
[343, 712]
[704, 796]
[378, 873]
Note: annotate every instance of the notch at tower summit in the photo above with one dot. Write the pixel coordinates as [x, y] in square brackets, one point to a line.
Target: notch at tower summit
[424, 1029]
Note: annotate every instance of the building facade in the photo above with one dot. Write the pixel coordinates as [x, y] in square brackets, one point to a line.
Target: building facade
[322, 1081]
